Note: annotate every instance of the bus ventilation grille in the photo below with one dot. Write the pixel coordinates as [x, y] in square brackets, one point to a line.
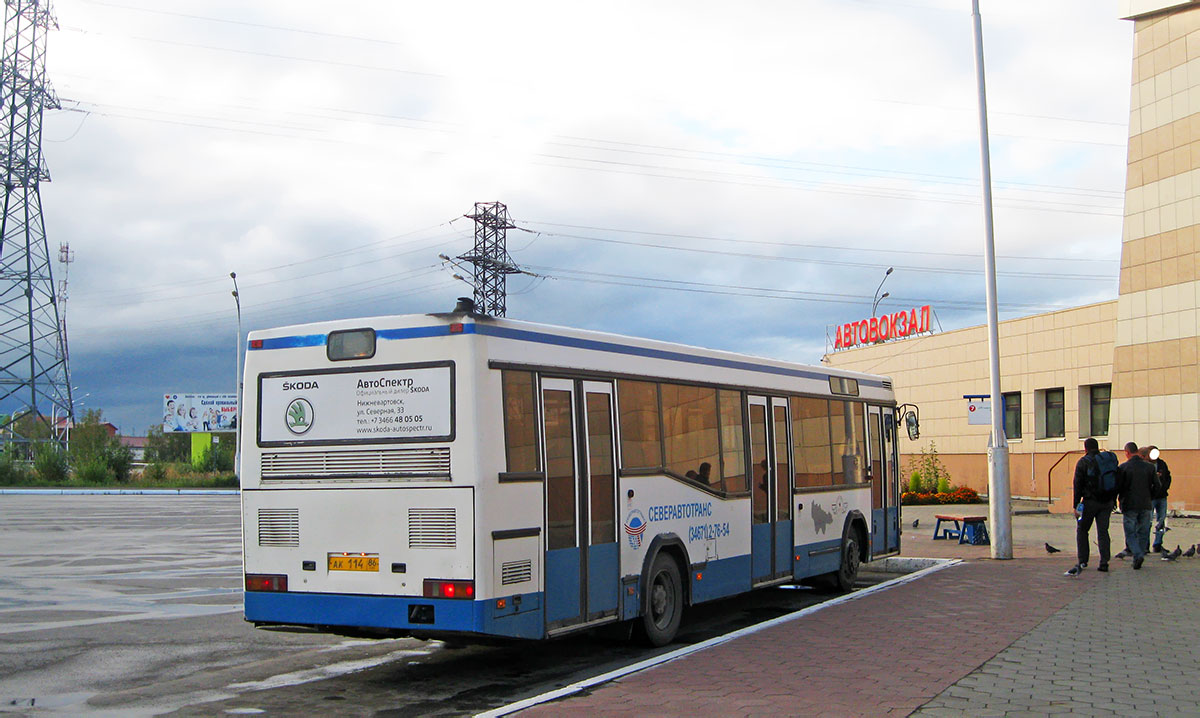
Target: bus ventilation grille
[405, 463]
[887, 384]
[516, 572]
[279, 527]
[432, 528]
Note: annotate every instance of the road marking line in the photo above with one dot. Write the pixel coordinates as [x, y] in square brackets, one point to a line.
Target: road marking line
[716, 641]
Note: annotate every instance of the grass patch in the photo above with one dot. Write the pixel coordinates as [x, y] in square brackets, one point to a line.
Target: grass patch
[153, 476]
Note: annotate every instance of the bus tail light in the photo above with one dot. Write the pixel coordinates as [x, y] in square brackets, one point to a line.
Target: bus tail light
[265, 582]
[437, 588]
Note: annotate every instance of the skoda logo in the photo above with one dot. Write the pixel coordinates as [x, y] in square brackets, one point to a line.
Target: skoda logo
[299, 416]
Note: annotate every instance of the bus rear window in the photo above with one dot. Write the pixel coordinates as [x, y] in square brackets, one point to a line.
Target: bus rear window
[350, 344]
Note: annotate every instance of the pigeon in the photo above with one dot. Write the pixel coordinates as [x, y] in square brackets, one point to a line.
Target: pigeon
[915, 522]
[1173, 555]
[1190, 552]
[1051, 549]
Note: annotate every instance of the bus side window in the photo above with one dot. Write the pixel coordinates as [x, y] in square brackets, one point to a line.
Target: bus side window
[811, 442]
[641, 446]
[690, 440]
[733, 442]
[520, 422]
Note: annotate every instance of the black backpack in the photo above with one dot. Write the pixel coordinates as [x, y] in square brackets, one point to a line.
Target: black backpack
[1104, 474]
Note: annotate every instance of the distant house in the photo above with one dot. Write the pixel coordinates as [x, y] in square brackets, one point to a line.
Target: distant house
[65, 423]
[137, 445]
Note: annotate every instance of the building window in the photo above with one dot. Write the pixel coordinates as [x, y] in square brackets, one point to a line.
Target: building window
[1012, 415]
[1054, 424]
[1099, 396]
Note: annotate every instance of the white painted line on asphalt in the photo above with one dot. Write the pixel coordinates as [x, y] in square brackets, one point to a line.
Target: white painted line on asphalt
[716, 641]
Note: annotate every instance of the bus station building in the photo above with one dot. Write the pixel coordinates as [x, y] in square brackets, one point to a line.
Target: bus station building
[1122, 370]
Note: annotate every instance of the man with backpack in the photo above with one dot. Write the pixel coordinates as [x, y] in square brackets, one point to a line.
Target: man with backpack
[1095, 488]
[1137, 481]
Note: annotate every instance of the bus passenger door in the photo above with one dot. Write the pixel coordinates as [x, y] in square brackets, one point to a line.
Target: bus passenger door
[581, 566]
[879, 480]
[602, 569]
[771, 490]
[891, 478]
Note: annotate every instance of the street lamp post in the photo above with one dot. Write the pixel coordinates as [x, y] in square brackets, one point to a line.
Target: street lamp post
[237, 445]
[999, 490]
[878, 297]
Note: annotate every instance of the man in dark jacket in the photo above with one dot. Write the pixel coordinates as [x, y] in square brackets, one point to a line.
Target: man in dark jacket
[1159, 498]
[1096, 507]
[1137, 481]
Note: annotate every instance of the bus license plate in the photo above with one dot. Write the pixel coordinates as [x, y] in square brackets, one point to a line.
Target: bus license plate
[353, 563]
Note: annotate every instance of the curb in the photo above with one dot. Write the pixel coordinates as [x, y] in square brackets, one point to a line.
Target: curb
[129, 492]
[901, 564]
[936, 564]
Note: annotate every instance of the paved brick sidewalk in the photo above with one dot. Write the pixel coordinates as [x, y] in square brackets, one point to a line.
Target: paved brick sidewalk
[986, 638]
[887, 653]
[1129, 646]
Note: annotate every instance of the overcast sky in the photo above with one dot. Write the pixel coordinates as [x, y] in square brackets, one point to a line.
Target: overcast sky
[731, 175]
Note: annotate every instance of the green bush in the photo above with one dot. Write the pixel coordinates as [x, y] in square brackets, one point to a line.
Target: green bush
[119, 461]
[914, 482]
[12, 471]
[50, 464]
[154, 473]
[93, 471]
[215, 459]
[943, 485]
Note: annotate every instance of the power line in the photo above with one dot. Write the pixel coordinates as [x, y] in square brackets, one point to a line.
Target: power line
[628, 280]
[839, 248]
[373, 40]
[242, 23]
[832, 262]
[251, 271]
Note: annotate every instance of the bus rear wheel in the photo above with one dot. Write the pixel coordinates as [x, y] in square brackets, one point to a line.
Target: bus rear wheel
[664, 601]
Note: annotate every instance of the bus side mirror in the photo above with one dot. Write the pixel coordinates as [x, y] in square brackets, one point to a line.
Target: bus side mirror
[910, 423]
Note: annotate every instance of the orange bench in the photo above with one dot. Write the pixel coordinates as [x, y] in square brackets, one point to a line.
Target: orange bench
[967, 529]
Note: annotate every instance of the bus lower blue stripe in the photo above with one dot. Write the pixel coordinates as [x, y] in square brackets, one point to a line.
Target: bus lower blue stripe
[326, 609]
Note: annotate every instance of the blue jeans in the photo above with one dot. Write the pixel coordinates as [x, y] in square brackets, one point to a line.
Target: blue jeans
[1137, 530]
[1160, 519]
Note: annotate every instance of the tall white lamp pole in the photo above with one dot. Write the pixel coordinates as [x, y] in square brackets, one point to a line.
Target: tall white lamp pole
[237, 445]
[999, 493]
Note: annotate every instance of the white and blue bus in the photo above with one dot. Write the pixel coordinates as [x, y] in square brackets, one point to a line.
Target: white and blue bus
[459, 474]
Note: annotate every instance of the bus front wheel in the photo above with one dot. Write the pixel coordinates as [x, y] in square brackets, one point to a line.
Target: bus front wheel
[847, 572]
[664, 601]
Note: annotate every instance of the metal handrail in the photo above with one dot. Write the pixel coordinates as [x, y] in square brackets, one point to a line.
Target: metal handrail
[1049, 474]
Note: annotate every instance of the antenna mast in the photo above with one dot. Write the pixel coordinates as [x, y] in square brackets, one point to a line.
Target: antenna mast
[33, 343]
[490, 257]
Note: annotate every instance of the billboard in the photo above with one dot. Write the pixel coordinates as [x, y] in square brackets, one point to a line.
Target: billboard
[200, 412]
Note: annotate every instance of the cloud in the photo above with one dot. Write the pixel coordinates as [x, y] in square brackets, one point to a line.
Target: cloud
[328, 160]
